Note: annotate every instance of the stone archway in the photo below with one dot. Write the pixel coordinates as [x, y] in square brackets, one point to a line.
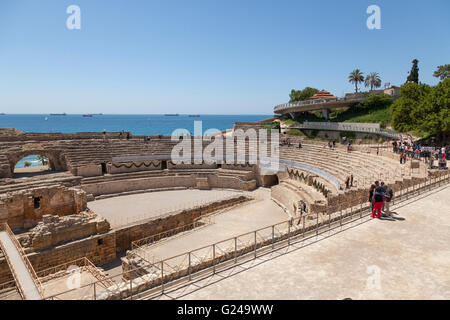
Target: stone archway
[55, 161]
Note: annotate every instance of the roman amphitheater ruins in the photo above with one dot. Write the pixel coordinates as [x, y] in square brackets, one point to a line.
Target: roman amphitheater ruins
[117, 219]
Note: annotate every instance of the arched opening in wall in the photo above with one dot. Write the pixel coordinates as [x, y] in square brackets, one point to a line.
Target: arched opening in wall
[32, 165]
[104, 168]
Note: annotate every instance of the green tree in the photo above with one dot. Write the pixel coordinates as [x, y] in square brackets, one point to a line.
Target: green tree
[414, 73]
[356, 77]
[407, 110]
[301, 95]
[374, 102]
[435, 111]
[443, 72]
[43, 159]
[373, 80]
[272, 125]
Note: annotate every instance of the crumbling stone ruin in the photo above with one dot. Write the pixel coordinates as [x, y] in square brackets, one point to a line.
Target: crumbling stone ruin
[54, 230]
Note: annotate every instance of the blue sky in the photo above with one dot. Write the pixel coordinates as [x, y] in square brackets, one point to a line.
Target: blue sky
[215, 56]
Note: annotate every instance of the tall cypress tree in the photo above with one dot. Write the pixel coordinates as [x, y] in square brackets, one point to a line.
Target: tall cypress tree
[414, 73]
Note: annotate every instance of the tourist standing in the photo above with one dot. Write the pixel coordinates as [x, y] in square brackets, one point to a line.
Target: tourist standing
[383, 190]
[371, 192]
[378, 202]
[389, 194]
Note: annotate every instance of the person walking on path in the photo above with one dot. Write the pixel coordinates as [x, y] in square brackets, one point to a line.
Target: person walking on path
[378, 202]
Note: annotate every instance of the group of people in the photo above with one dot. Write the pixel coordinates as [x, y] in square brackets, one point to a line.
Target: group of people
[412, 150]
[349, 182]
[349, 143]
[285, 142]
[380, 196]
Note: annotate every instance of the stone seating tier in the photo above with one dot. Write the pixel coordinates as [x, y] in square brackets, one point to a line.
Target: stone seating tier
[342, 164]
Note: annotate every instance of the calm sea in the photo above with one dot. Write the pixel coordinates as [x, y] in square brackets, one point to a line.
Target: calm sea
[136, 124]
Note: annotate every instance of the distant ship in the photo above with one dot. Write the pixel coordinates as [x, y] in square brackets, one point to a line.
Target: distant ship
[58, 114]
[87, 115]
[2, 114]
[194, 115]
[171, 114]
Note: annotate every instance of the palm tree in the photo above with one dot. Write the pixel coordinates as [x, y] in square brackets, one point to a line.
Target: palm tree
[356, 76]
[373, 80]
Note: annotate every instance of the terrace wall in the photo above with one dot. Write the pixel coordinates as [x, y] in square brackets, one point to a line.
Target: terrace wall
[19, 210]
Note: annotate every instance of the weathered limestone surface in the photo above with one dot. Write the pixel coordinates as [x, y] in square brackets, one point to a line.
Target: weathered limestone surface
[214, 179]
[25, 208]
[54, 230]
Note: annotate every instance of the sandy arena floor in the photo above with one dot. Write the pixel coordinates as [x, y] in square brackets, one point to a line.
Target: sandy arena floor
[120, 211]
[258, 213]
[244, 218]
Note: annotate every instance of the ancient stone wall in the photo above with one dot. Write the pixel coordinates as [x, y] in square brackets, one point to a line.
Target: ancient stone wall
[119, 186]
[54, 230]
[203, 165]
[189, 180]
[5, 272]
[90, 170]
[99, 249]
[124, 167]
[25, 208]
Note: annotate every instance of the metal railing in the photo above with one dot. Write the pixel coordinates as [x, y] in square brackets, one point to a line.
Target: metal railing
[83, 263]
[8, 285]
[247, 246]
[344, 126]
[284, 106]
[5, 227]
[139, 246]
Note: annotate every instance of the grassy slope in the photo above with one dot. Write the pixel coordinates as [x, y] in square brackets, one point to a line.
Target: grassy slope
[382, 115]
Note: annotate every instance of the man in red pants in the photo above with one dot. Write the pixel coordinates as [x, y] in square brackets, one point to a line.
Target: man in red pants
[378, 201]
